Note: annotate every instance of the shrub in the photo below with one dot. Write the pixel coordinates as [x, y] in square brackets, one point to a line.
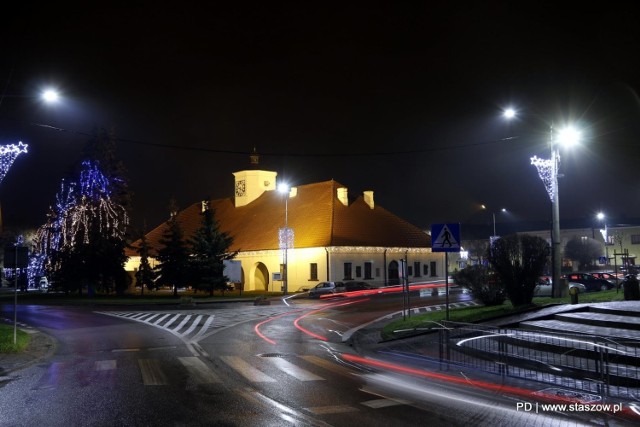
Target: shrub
[482, 283]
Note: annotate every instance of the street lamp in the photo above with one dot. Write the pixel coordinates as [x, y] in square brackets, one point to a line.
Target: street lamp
[285, 236]
[601, 217]
[548, 172]
[494, 219]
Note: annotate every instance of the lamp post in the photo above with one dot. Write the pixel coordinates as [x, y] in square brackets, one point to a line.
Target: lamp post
[602, 218]
[493, 215]
[286, 236]
[548, 172]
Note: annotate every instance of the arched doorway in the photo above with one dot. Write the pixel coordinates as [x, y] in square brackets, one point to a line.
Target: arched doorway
[394, 278]
[260, 277]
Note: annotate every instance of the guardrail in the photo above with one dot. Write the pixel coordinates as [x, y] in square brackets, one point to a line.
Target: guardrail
[583, 363]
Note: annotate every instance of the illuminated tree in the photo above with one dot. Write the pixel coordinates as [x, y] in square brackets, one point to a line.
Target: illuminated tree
[584, 250]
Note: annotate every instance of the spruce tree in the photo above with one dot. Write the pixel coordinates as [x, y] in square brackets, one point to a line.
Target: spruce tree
[173, 255]
[145, 275]
[210, 248]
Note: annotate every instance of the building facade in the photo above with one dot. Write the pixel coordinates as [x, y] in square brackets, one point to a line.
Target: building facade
[333, 236]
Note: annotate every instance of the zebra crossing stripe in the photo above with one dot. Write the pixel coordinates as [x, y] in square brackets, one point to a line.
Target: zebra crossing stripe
[294, 370]
[161, 319]
[184, 321]
[246, 370]
[152, 373]
[194, 324]
[204, 328]
[173, 319]
[199, 372]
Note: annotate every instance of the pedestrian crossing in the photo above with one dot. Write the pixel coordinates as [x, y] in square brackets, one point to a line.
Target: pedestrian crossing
[191, 327]
[192, 371]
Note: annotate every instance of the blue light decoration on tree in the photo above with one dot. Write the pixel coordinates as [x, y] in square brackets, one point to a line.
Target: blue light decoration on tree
[81, 207]
[8, 154]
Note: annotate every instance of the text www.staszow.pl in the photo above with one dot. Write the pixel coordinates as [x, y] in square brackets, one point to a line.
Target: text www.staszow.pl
[568, 407]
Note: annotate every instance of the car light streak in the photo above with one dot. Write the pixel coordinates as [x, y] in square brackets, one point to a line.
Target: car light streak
[629, 410]
[384, 290]
[256, 328]
[314, 335]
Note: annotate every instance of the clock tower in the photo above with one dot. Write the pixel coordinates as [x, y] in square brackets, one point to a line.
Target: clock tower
[250, 184]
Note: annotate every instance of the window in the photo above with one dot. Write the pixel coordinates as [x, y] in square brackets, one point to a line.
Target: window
[635, 239]
[409, 271]
[347, 271]
[425, 270]
[367, 271]
[358, 271]
[416, 268]
[313, 271]
[433, 269]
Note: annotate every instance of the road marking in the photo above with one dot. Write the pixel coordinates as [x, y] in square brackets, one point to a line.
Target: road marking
[246, 370]
[105, 365]
[151, 372]
[194, 324]
[199, 372]
[184, 321]
[333, 409]
[293, 370]
[328, 365]
[383, 403]
[173, 319]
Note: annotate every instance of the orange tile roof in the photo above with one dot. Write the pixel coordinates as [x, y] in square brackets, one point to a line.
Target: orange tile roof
[315, 214]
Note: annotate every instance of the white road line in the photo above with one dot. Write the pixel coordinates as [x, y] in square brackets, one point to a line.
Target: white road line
[194, 324]
[105, 365]
[328, 365]
[199, 372]
[246, 370]
[334, 409]
[293, 370]
[184, 321]
[173, 319]
[161, 319]
[204, 329]
[151, 372]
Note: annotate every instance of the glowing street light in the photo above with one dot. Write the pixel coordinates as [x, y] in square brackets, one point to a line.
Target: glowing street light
[548, 172]
[50, 96]
[285, 235]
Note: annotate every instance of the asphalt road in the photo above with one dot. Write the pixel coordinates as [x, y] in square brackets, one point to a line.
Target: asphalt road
[234, 365]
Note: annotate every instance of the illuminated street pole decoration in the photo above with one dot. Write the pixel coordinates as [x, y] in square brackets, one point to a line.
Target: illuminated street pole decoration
[285, 237]
[8, 154]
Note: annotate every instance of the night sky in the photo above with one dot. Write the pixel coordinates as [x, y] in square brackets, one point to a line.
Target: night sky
[401, 99]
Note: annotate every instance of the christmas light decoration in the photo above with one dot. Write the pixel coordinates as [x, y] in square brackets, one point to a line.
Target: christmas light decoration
[82, 207]
[8, 154]
[545, 171]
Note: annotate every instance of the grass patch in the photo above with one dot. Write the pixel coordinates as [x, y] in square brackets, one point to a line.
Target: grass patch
[430, 320]
[6, 340]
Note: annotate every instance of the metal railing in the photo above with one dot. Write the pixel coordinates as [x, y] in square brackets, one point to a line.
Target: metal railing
[583, 363]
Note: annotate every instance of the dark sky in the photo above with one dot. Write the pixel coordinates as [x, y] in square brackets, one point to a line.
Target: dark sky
[401, 99]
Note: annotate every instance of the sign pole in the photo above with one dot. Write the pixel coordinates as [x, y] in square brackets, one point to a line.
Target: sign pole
[446, 281]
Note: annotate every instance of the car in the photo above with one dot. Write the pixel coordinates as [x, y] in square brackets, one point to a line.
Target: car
[604, 275]
[324, 288]
[43, 283]
[591, 282]
[351, 286]
[543, 288]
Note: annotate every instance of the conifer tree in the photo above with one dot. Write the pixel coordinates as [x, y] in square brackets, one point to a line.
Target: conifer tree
[145, 275]
[173, 255]
[210, 248]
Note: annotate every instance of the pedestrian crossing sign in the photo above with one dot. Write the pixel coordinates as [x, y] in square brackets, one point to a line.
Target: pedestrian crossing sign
[445, 237]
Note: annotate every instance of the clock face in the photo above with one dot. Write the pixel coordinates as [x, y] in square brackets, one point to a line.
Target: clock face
[240, 187]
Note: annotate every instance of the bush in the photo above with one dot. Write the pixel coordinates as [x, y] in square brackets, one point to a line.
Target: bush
[483, 285]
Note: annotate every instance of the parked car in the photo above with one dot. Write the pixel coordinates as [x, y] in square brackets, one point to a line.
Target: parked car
[591, 282]
[324, 288]
[543, 288]
[604, 275]
[351, 286]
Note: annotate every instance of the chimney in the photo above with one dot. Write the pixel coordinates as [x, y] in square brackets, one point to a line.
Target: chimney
[368, 198]
[343, 196]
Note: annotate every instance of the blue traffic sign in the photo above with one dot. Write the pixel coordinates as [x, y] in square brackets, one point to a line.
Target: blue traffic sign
[445, 237]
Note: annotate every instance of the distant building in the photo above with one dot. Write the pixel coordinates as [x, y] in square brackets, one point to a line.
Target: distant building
[335, 238]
